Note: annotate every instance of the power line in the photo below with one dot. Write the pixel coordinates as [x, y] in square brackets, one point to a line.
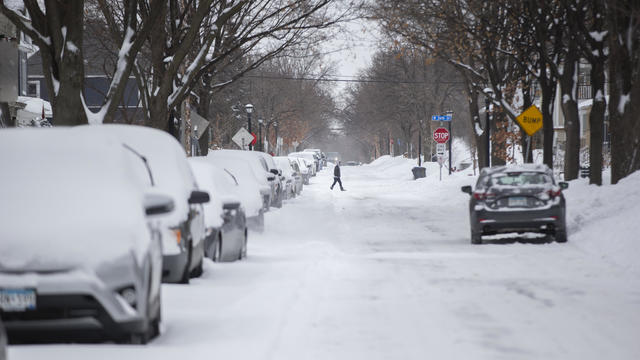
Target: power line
[336, 79]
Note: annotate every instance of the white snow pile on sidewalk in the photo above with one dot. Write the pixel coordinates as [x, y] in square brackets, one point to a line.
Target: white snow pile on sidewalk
[601, 219]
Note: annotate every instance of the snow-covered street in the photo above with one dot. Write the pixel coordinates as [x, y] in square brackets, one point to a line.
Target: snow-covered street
[385, 270]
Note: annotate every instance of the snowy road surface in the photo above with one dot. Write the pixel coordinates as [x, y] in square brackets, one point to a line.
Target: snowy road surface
[385, 270]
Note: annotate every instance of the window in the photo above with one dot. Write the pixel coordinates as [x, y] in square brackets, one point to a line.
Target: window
[33, 88]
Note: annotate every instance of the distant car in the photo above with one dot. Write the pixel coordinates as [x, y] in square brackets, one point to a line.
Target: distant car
[250, 190]
[320, 156]
[224, 215]
[183, 255]
[260, 169]
[352, 163]
[522, 198]
[293, 180]
[333, 157]
[81, 248]
[311, 158]
[305, 169]
[279, 180]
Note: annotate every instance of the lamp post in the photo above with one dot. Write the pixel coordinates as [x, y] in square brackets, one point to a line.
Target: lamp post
[450, 113]
[249, 109]
[275, 127]
[487, 130]
[420, 144]
[260, 122]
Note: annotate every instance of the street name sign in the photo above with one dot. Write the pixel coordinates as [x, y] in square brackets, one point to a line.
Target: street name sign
[441, 135]
[441, 117]
[530, 120]
[242, 138]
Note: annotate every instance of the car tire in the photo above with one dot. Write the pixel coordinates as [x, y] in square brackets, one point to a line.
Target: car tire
[476, 239]
[217, 255]
[185, 274]
[560, 237]
[197, 271]
[243, 249]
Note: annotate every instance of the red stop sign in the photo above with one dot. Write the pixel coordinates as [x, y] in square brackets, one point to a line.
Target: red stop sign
[441, 135]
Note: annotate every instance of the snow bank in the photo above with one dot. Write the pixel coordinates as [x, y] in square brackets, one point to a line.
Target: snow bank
[600, 219]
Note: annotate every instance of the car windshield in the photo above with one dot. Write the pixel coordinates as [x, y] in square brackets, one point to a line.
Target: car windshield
[520, 179]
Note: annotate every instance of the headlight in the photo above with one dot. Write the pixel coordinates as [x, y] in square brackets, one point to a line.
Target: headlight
[129, 295]
[178, 234]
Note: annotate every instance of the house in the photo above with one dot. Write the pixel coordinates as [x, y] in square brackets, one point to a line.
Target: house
[585, 102]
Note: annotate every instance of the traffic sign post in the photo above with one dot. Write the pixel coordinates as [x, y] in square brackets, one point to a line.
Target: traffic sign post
[531, 122]
[243, 138]
[441, 135]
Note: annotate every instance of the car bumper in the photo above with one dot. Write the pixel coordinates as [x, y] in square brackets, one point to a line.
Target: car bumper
[548, 220]
[71, 301]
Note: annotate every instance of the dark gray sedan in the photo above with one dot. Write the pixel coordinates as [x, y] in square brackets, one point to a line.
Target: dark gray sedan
[517, 199]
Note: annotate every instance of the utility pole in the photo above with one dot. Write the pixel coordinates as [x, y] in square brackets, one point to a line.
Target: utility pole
[450, 113]
[420, 144]
[487, 130]
[260, 121]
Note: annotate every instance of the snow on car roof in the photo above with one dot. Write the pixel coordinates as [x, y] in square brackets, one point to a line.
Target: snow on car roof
[516, 168]
[257, 164]
[166, 158]
[68, 200]
[249, 187]
[203, 173]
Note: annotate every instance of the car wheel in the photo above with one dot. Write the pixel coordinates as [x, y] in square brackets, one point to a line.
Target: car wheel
[218, 252]
[561, 237]
[185, 274]
[197, 271]
[243, 249]
[476, 239]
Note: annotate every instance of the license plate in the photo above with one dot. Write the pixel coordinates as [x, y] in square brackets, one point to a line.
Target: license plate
[518, 201]
[17, 299]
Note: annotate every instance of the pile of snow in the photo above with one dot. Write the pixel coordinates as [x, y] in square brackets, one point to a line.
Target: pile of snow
[600, 219]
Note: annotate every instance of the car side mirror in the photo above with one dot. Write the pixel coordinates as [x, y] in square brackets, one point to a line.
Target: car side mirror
[274, 171]
[199, 197]
[157, 204]
[466, 189]
[232, 205]
[564, 185]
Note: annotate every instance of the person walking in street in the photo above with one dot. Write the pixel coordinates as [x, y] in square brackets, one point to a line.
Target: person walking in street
[336, 176]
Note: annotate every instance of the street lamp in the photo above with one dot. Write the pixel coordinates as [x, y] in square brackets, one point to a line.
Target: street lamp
[249, 109]
[260, 122]
[420, 145]
[275, 127]
[450, 114]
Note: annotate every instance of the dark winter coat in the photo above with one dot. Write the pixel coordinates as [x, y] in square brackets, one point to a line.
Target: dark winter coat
[336, 171]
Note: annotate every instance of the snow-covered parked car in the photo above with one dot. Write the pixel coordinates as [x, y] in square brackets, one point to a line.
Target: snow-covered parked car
[184, 252]
[303, 167]
[81, 248]
[292, 179]
[310, 158]
[517, 199]
[259, 169]
[224, 215]
[319, 156]
[279, 181]
[250, 191]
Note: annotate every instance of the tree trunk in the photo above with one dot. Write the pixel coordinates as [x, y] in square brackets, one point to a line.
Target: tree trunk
[548, 94]
[476, 124]
[568, 82]
[525, 140]
[596, 121]
[624, 74]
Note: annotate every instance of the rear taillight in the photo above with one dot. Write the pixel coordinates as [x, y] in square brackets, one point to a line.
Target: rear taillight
[554, 193]
[483, 196]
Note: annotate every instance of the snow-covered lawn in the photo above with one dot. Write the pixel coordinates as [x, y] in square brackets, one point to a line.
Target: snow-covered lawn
[385, 270]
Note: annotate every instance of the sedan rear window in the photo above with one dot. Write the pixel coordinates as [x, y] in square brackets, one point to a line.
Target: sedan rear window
[520, 179]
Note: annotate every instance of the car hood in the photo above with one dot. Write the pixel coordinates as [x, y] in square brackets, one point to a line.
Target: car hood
[65, 246]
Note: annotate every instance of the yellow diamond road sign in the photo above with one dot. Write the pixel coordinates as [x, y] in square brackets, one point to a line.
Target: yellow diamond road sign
[530, 120]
